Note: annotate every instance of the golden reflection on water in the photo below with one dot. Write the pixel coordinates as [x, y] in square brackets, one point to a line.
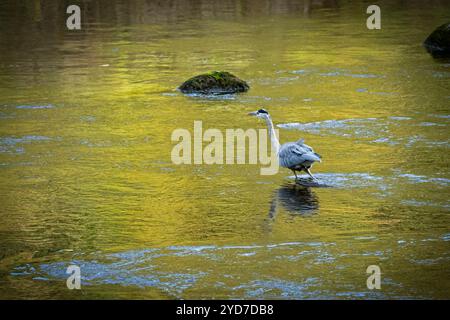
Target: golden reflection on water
[86, 119]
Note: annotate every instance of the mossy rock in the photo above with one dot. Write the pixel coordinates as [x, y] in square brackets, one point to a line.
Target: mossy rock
[217, 82]
[438, 42]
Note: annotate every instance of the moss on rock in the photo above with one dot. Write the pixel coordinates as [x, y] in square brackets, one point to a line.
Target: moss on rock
[438, 42]
[216, 82]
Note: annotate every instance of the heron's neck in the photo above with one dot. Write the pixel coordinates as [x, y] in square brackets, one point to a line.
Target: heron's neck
[273, 136]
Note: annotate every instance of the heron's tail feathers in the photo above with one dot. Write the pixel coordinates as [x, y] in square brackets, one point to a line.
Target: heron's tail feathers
[314, 157]
[318, 156]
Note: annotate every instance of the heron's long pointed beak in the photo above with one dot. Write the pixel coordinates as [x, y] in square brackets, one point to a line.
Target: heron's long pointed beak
[254, 113]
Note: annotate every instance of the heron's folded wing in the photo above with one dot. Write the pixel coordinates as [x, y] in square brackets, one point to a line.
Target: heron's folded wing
[292, 154]
[302, 144]
[310, 149]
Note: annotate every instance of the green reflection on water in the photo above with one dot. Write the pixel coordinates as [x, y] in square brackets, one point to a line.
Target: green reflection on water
[86, 119]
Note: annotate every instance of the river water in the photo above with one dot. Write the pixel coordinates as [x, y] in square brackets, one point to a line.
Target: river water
[86, 119]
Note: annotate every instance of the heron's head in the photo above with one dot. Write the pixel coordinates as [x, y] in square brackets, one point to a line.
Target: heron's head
[261, 113]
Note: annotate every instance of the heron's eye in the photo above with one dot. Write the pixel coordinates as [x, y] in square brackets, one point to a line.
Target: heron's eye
[262, 111]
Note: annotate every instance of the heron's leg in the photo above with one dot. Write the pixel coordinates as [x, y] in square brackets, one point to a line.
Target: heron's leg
[295, 173]
[310, 174]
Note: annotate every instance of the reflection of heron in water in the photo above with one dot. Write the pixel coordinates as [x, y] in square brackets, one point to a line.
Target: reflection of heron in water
[295, 199]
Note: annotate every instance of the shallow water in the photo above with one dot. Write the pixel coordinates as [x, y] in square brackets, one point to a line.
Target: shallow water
[86, 175]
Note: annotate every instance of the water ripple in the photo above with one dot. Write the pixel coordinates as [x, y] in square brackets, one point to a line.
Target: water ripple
[376, 130]
[157, 267]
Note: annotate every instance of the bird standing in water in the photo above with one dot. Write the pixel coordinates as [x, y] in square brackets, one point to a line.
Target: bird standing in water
[296, 156]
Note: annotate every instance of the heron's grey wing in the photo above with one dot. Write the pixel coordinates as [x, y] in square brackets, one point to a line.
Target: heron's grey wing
[305, 146]
[292, 154]
[301, 143]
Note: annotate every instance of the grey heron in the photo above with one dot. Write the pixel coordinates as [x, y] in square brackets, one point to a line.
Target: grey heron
[296, 156]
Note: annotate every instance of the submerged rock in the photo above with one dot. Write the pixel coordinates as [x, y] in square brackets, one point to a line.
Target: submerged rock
[438, 42]
[217, 82]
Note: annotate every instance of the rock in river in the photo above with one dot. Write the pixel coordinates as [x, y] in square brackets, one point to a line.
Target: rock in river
[438, 42]
[217, 82]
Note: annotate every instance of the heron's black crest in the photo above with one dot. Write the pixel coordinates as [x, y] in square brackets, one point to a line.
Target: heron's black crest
[262, 111]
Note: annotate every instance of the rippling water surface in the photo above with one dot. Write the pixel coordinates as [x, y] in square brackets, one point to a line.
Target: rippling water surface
[85, 140]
